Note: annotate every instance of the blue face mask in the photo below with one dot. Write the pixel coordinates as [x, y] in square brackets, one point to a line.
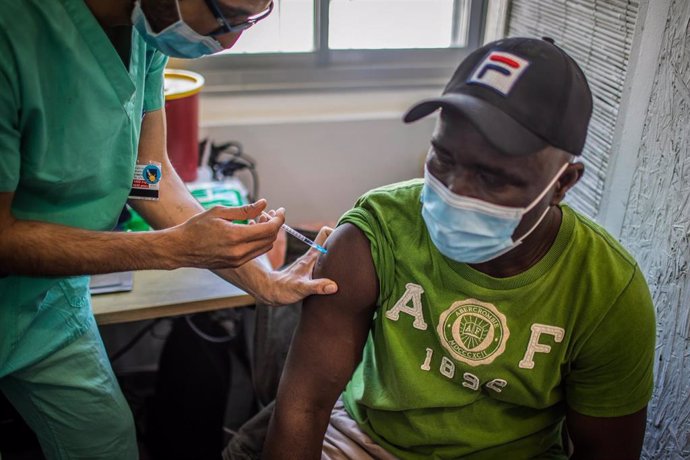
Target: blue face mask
[469, 230]
[177, 40]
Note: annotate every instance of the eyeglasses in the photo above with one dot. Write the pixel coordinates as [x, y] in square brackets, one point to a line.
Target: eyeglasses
[226, 27]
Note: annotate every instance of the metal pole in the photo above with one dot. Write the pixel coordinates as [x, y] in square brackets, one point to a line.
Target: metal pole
[321, 14]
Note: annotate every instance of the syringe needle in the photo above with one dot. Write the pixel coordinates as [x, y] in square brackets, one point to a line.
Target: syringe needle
[299, 236]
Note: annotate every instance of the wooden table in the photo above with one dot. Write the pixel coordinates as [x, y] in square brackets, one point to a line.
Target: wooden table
[159, 293]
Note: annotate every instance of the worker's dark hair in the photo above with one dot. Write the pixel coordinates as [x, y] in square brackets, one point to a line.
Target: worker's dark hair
[160, 13]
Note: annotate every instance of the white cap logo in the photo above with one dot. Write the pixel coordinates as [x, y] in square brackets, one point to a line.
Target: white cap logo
[499, 71]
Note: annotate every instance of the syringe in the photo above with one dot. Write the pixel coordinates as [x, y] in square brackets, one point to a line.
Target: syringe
[299, 236]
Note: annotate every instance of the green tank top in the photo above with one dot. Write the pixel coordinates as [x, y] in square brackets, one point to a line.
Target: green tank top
[460, 364]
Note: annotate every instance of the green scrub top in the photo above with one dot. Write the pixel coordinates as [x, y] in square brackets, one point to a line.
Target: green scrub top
[70, 119]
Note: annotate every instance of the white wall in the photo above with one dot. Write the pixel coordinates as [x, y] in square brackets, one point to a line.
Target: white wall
[317, 153]
[656, 228]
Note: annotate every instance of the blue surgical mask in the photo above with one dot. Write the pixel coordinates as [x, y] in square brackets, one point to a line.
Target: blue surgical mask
[469, 230]
[177, 40]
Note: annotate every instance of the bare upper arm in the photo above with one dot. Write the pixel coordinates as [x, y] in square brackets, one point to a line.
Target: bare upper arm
[333, 329]
[175, 204]
[152, 141]
[6, 218]
[326, 348]
[606, 437]
[348, 261]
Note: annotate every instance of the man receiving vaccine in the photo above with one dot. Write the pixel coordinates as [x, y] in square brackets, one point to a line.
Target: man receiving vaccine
[485, 319]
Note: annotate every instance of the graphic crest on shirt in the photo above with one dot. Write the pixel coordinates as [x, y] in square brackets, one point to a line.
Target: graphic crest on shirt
[473, 332]
[499, 71]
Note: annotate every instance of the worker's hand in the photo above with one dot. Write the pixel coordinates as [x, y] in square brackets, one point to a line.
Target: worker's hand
[211, 239]
[295, 282]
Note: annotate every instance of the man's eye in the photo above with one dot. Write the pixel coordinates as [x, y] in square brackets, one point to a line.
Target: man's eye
[491, 179]
[444, 159]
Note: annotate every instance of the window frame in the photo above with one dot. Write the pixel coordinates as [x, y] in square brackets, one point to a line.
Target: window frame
[327, 69]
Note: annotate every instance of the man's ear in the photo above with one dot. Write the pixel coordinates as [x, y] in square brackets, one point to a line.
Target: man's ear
[568, 179]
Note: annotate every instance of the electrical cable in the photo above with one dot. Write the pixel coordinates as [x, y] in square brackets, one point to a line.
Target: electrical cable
[205, 336]
[237, 161]
[229, 431]
[126, 347]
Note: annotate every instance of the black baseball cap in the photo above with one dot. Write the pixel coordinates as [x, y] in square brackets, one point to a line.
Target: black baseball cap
[522, 94]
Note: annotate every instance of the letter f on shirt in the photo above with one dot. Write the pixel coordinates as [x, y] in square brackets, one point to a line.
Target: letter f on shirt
[534, 346]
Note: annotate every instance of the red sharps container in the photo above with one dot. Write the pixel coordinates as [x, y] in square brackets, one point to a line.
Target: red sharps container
[182, 117]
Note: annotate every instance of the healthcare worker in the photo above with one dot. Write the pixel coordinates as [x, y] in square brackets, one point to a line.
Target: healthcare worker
[81, 105]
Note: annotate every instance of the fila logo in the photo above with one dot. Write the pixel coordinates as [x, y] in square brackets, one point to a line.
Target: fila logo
[499, 71]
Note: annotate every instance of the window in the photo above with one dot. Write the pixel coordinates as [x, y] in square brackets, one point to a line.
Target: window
[360, 24]
[289, 29]
[598, 35]
[319, 44]
[389, 24]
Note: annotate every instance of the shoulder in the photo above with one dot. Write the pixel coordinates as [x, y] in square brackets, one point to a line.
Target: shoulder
[393, 194]
[599, 257]
[40, 24]
[592, 233]
[608, 276]
[600, 272]
[384, 206]
[10, 7]
[154, 60]
[33, 13]
[389, 221]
